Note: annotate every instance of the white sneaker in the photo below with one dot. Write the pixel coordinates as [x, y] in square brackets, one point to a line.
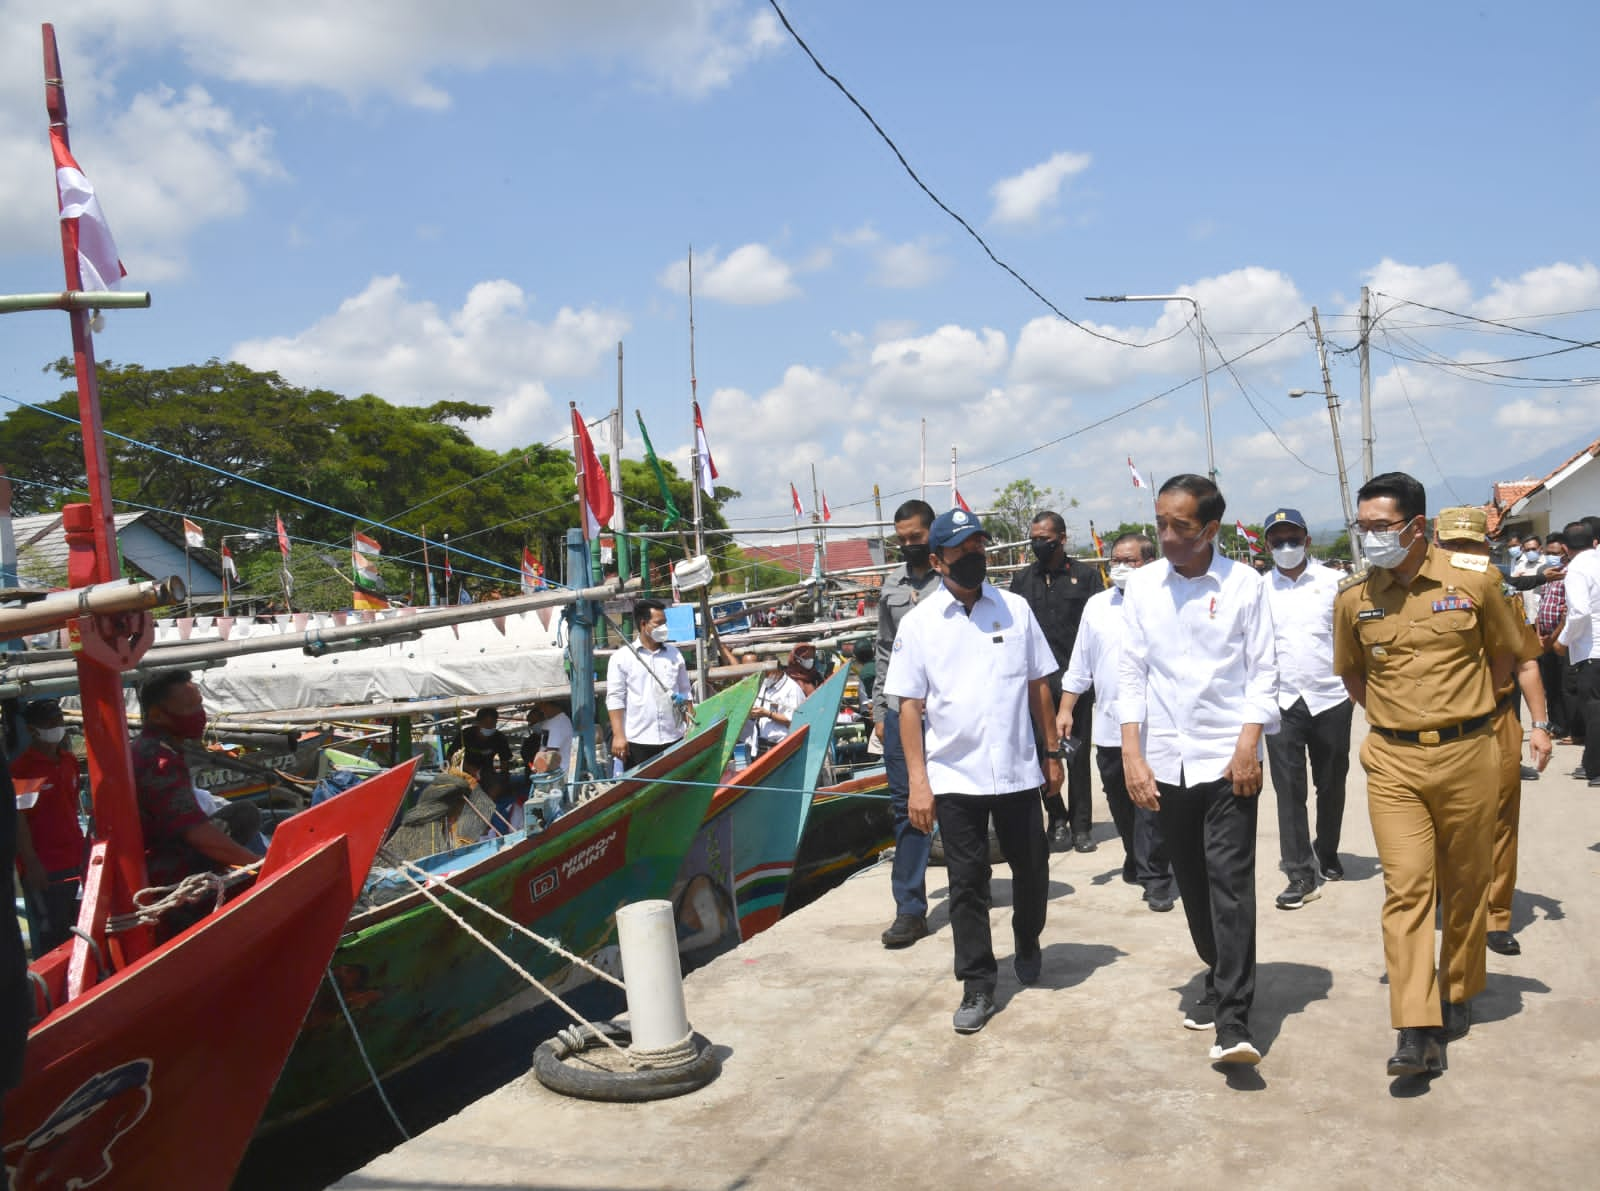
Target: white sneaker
[1239, 1053]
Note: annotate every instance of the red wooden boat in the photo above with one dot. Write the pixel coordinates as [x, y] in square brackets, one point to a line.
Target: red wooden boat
[150, 1064]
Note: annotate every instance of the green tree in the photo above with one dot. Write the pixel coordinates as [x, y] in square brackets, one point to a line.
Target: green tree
[1015, 506]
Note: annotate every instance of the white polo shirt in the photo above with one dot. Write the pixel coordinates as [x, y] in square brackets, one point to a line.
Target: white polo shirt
[1096, 660]
[1582, 634]
[1198, 663]
[782, 695]
[1302, 626]
[641, 684]
[972, 672]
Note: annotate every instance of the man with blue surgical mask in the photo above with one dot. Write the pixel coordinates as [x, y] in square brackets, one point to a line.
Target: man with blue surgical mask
[1315, 709]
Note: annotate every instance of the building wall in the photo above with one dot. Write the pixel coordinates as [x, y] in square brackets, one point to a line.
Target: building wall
[159, 558]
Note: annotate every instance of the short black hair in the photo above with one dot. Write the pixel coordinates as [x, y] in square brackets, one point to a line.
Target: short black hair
[153, 691]
[493, 712]
[1053, 519]
[1147, 548]
[644, 609]
[1207, 496]
[1594, 526]
[920, 509]
[1579, 535]
[1405, 490]
[1532, 537]
[40, 711]
[1555, 539]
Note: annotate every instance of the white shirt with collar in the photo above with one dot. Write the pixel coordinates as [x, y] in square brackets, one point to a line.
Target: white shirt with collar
[1096, 662]
[1302, 624]
[1198, 663]
[1582, 634]
[972, 673]
[782, 695]
[640, 683]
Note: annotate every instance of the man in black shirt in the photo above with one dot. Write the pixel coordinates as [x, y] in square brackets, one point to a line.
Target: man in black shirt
[485, 745]
[1056, 588]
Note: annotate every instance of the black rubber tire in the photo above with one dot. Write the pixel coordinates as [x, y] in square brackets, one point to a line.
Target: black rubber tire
[620, 1087]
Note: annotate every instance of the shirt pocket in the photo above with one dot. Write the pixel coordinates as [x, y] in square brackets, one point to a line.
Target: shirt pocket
[1379, 641]
[1458, 621]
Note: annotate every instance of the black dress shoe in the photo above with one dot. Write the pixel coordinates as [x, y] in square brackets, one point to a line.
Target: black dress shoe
[1060, 836]
[1418, 1053]
[1082, 843]
[1503, 942]
[1457, 1019]
[905, 930]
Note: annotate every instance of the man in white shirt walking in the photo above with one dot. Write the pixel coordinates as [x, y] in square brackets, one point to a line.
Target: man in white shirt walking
[647, 690]
[971, 668]
[1581, 637]
[1198, 689]
[1096, 661]
[1315, 710]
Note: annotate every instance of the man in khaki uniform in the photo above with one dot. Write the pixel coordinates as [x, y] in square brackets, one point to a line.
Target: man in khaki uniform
[1422, 640]
[1465, 530]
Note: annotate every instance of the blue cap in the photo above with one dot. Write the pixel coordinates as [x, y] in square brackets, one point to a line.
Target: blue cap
[1284, 517]
[953, 527]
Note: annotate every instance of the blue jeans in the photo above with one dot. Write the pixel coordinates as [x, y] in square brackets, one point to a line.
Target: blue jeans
[909, 873]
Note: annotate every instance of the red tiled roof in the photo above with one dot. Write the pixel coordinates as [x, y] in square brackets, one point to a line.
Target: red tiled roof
[1508, 492]
[842, 555]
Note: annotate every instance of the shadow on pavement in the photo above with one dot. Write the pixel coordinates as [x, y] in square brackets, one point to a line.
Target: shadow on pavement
[1502, 996]
[1527, 908]
[1066, 965]
[1360, 868]
[1282, 990]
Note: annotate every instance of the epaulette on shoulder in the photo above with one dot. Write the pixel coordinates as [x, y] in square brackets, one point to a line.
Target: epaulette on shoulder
[1355, 579]
[1470, 562]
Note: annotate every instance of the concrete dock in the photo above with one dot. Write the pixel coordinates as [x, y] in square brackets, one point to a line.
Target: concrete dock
[840, 1066]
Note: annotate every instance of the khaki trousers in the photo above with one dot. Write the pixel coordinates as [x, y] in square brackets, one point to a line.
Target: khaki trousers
[1432, 810]
[1503, 882]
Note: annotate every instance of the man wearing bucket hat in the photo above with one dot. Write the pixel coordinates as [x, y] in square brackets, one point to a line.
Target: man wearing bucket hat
[1315, 710]
[971, 668]
[1464, 530]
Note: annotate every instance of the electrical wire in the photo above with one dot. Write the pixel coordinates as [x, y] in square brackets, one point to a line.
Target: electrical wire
[1421, 433]
[1250, 401]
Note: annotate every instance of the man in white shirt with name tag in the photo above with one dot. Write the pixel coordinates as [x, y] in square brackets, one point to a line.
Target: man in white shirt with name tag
[647, 690]
[970, 667]
[1315, 710]
[1198, 689]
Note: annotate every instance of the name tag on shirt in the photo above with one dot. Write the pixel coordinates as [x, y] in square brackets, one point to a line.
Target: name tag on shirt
[1370, 614]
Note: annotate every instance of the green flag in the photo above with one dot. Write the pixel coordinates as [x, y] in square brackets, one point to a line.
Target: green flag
[673, 515]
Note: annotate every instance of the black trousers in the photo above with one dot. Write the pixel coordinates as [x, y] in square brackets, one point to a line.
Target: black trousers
[638, 754]
[1555, 695]
[1211, 838]
[1144, 854]
[964, 828]
[1326, 737]
[1078, 808]
[1588, 676]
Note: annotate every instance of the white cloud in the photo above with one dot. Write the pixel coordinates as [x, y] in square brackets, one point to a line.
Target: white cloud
[953, 364]
[1434, 285]
[751, 275]
[908, 266]
[411, 353]
[1027, 197]
[1551, 289]
[1532, 415]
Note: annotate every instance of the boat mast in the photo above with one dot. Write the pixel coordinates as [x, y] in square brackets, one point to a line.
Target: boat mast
[702, 644]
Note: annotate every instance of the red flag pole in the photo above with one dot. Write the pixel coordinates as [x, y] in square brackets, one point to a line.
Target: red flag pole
[93, 558]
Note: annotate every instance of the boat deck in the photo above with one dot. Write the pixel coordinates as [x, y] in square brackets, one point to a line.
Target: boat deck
[841, 1067]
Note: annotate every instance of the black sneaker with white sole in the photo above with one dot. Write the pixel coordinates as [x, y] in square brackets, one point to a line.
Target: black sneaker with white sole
[975, 1011]
[1301, 890]
[1202, 1015]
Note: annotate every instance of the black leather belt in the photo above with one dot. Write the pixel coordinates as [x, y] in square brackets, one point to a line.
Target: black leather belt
[1435, 735]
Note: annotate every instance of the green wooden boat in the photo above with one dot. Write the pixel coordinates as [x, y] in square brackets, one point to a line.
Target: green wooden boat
[851, 824]
[415, 982]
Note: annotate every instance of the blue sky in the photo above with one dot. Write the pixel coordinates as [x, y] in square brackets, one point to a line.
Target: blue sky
[478, 200]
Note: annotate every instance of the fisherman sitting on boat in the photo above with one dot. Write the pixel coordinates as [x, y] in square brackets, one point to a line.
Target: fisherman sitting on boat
[485, 745]
[776, 702]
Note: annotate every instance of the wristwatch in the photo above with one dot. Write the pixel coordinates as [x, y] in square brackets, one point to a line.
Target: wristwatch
[1060, 754]
[1543, 726]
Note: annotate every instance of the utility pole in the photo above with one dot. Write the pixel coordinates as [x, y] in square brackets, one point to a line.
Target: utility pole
[953, 489]
[922, 468]
[1366, 384]
[1338, 442]
[619, 522]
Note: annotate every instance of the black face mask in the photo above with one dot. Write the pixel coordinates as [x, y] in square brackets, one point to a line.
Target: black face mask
[1043, 550]
[968, 571]
[916, 555]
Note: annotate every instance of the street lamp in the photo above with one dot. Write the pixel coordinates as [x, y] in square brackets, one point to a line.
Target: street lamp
[1205, 385]
[251, 538]
[1338, 461]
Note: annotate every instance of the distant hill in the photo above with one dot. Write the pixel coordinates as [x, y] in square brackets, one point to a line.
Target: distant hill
[1477, 489]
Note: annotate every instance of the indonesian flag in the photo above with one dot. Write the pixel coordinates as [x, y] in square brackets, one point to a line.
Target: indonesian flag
[449, 575]
[98, 265]
[194, 537]
[364, 553]
[283, 539]
[794, 495]
[708, 466]
[1253, 541]
[1138, 480]
[532, 573]
[961, 500]
[594, 490]
[228, 569]
[827, 513]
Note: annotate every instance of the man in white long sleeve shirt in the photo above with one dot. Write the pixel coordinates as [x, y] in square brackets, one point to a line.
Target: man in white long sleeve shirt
[1314, 707]
[1198, 688]
[647, 690]
[1096, 661]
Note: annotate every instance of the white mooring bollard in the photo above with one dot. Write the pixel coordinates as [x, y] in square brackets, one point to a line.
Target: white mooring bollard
[648, 938]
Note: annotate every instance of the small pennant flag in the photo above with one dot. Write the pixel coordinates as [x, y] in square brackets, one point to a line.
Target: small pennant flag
[594, 490]
[827, 513]
[708, 466]
[961, 501]
[532, 573]
[1099, 546]
[1138, 480]
[1251, 539]
[228, 569]
[98, 265]
[794, 495]
[283, 539]
[194, 537]
[364, 552]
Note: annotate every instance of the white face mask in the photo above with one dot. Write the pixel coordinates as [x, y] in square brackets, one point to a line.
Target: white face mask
[49, 735]
[1120, 572]
[660, 633]
[1289, 555]
[1385, 549]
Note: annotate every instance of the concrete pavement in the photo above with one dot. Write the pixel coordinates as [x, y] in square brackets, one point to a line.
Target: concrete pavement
[841, 1067]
